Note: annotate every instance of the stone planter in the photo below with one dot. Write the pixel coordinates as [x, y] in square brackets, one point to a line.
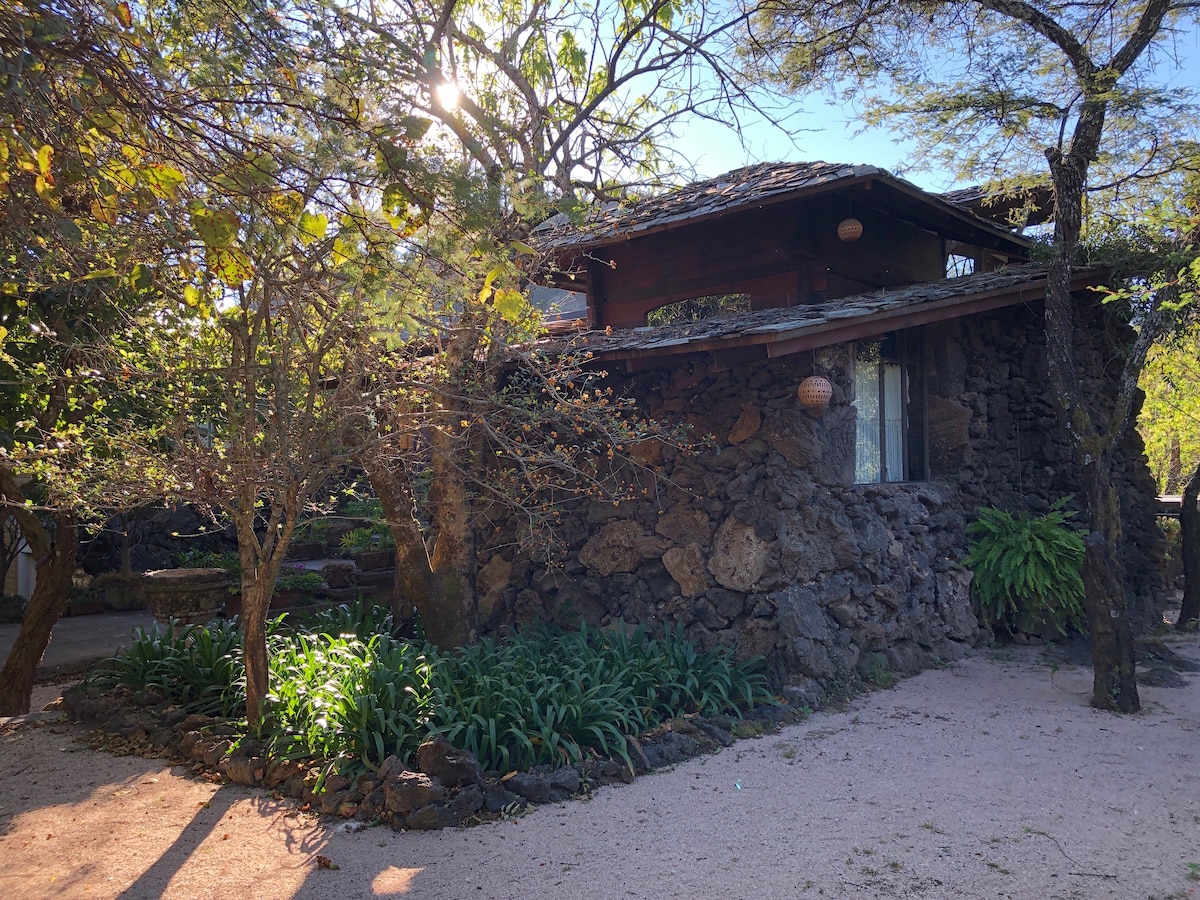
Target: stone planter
[372, 560]
[340, 574]
[306, 550]
[89, 605]
[123, 592]
[189, 596]
[287, 599]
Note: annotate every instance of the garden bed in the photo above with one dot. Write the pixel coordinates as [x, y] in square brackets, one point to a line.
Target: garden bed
[354, 716]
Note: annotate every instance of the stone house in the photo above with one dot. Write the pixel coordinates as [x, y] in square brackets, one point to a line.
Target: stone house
[826, 539]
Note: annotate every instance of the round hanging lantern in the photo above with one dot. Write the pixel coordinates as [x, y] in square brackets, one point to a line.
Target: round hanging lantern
[815, 393]
[850, 229]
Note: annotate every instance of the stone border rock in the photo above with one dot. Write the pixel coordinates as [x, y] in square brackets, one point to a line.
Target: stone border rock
[448, 789]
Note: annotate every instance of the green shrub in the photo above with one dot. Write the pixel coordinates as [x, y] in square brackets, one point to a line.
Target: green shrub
[200, 669]
[369, 537]
[312, 530]
[361, 618]
[346, 699]
[1027, 569]
[551, 697]
[353, 697]
[299, 580]
[363, 508]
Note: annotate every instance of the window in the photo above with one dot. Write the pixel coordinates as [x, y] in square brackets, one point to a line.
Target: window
[885, 449]
[957, 266]
[697, 309]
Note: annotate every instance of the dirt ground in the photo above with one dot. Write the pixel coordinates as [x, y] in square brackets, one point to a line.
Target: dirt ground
[991, 778]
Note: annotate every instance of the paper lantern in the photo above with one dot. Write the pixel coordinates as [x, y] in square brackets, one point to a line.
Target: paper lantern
[815, 393]
[850, 229]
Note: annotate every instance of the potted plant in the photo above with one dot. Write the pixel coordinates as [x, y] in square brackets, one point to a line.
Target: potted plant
[84, 601]
[371, 547]
[309, 540]
[294, 585]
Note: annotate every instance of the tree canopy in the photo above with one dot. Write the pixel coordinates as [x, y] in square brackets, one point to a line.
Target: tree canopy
[1019, 89]
[276, 229]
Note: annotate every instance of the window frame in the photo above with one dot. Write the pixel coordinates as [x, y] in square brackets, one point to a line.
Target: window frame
[900, 352]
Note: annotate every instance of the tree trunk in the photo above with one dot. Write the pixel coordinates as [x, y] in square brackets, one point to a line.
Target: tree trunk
[1114, 676]
[256, 603]
[1189, 542]
[50, 594]
[261, 563]
[453, 615]
[452, 619]
[1114, 682]
[411, 587]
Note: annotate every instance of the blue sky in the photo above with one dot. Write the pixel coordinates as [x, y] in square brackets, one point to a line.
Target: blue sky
[821, 129]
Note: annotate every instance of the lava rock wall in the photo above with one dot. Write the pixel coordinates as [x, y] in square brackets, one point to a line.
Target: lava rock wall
[761, 541]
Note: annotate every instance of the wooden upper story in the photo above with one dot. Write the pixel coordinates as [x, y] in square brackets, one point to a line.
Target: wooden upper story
[770, 231]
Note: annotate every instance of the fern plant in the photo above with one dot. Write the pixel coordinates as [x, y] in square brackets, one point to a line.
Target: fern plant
[1027, 569]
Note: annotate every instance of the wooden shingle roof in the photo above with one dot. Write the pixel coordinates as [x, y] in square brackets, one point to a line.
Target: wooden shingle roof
[750, 187]
[781, 331]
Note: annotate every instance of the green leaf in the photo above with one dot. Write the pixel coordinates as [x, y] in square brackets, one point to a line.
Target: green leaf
[230, 265]
[99, 273]
[415, 127]
[485, 292]
[510, 304]
[164, 182]
[214, 227]
[312, 227]
[69, 230]
[392, 158]
[141, 278]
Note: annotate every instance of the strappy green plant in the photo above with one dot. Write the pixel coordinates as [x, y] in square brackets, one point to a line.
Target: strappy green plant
[352, 696]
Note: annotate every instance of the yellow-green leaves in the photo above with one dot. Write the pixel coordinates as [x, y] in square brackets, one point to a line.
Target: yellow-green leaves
[312, 227]
[194, 298]
[485, 292]
[229, 264]
[163, 181]
[43, 181]
[142, 277]
[215, 227]
[571, 56]
[122, 14]
[104, 209]
[510, 304]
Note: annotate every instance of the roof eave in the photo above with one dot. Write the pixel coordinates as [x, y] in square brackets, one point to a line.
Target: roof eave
[871, 325]
[864, 175]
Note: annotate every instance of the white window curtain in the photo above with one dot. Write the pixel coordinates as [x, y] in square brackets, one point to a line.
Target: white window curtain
[879, 401]
[867, 446]
[893, 422]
